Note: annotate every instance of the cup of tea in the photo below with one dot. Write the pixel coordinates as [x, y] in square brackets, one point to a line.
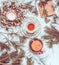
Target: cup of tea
[36, 45]
[30, 27]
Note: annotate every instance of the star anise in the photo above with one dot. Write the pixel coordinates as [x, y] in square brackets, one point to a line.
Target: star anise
[52, 35]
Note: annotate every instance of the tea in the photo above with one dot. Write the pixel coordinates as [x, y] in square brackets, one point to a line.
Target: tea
[36, 45]
[31, 26]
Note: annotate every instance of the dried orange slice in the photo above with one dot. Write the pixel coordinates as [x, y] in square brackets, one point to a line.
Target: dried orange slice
[11, 15]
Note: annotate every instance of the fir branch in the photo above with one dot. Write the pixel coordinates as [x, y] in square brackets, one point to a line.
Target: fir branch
[29, 61]
[4, 46]
[52, 35]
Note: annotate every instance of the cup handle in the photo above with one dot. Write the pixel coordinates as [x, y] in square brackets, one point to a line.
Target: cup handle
[41, 51]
